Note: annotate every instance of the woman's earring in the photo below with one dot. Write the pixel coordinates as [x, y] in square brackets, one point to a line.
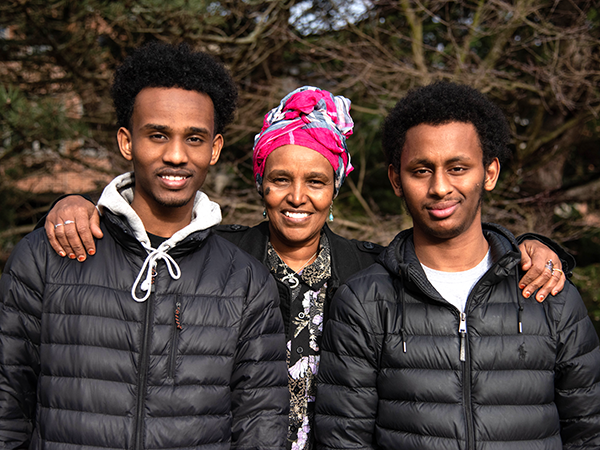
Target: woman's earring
[330, 218]
[265, 213]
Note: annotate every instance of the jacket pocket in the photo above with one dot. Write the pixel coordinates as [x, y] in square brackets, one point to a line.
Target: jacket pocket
[177, 327]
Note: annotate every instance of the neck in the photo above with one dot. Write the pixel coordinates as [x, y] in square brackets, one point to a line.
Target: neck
[296, 257]
[457, 254]
[163, 221]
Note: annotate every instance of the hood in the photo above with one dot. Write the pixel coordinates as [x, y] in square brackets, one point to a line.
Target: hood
[400, 254]
[117, 198]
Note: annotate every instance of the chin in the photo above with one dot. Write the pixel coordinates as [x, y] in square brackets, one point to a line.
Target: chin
[173, 202]
[442, 233]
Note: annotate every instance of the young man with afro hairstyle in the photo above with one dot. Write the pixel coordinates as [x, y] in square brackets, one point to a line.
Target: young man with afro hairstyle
[171, 337]
[434, 347]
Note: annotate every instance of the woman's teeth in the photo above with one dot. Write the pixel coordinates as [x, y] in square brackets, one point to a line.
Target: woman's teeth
[295, 215]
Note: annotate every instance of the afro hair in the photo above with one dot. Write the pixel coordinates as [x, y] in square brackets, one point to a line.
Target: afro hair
[441, 103]
[163, 65]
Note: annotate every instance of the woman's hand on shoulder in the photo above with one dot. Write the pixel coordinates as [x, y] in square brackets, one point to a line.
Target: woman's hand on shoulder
[71, 226]
[540, 274]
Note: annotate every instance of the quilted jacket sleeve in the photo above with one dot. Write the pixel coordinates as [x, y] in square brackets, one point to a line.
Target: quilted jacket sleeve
[260, 399]
[347, 395]
[21, 288]
[577, 381]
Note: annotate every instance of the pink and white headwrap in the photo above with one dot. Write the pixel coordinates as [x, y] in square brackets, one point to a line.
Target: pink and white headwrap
[312, 118]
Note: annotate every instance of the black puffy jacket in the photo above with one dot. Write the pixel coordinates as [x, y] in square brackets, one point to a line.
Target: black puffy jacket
[200, 364]
[392, 377]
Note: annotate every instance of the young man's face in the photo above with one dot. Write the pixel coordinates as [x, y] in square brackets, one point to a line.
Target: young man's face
[442, 179]
[171, 143]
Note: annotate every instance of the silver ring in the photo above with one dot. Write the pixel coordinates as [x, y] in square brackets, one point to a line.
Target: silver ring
[58, 225]
[68, 222]
[549, 265]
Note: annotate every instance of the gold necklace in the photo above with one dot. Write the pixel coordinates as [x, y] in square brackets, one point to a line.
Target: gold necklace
[291, 279]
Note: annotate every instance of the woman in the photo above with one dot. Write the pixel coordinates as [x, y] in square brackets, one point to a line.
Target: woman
[300, 161]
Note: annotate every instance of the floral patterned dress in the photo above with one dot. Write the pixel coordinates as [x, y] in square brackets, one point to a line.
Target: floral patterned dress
[304, 338]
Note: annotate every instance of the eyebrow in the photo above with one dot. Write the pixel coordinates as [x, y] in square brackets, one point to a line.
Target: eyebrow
[279, 172]
[316, 175]
[195, 130]
[427, 162]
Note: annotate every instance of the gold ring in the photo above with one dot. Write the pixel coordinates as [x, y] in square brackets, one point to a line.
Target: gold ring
[557, 270]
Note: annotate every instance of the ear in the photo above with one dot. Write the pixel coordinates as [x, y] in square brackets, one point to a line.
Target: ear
[125, 143]
[492, 172]
[217, 145]
[395, 180]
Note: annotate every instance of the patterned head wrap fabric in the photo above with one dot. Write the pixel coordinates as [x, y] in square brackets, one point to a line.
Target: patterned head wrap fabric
[312, 118]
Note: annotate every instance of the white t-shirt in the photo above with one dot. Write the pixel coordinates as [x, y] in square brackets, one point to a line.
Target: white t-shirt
[455, 287]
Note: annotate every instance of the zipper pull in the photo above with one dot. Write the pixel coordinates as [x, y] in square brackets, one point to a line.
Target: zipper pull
[462, 329]
[178, 315]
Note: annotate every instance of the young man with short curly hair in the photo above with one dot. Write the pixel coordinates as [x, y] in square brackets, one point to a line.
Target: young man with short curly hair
[171, 337]
[434, 347]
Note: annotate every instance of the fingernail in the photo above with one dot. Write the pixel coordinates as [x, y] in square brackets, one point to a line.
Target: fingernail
[521, 286]
[526, 294]
[81, 258]
[61, 253]
[554, 292]
[540, 298]
[91, 252]
[72, 255]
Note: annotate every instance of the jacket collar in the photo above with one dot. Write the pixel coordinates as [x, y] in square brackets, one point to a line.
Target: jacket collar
[117, 198]
[400, 258]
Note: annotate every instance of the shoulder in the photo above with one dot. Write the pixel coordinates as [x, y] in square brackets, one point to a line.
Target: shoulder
[33, 244]
[349, 256]
[567, 307]
[224, 251]
[368, 286]
[230, 229]
[352, 245]
[250, 239]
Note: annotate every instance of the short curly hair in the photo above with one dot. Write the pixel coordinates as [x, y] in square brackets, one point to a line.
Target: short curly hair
[163, 65]
[441, 103]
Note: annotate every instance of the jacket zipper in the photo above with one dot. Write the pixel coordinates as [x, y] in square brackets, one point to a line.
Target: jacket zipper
[466, 368]
[143, 371]
[462, 331]
[175, 341]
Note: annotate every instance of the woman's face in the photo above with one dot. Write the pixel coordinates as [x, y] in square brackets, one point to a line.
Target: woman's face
[298, 187]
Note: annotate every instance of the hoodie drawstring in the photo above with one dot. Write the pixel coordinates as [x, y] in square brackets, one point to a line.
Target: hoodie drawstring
[149, 266]
[520, 305]
[398, 283]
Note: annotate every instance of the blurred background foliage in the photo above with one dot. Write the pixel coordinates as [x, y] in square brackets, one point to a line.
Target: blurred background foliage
[539, 60]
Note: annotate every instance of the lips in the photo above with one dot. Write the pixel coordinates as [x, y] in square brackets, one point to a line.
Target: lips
[442, 210]
[174, 179]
